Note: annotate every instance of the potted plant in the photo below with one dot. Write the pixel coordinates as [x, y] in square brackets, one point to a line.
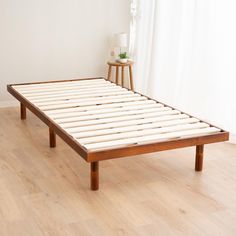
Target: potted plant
[123, 57]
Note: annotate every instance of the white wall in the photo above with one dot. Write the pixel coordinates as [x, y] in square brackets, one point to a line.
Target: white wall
[56, 39]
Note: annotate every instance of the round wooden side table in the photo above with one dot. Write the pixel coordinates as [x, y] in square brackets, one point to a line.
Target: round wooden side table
[117, 66]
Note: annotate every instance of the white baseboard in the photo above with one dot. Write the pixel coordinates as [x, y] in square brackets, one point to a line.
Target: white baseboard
[232, 138]
[10, 103]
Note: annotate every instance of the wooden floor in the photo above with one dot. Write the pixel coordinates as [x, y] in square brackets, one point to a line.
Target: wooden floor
[46, 191]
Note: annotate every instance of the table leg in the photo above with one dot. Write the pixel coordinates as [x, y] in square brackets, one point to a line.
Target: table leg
[117, 75]
[122, 76]
[109, 73]
[131, 78]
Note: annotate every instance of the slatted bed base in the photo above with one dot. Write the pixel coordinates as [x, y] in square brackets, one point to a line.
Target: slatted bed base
[101, 120]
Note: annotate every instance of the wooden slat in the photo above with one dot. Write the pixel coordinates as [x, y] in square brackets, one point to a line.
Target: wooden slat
[78, 95]
[71, 87]
[104, 106]
[95, 102]
[126, 123]
[118, 119]
[68, 90]
[113, 130]
[57, 84]
[139, 133]
[139, 107]
[111, 114]
[87, 99]
[71, 92]
[150, 138]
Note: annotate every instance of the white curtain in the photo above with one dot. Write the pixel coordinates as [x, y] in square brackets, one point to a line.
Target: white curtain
[185, 55]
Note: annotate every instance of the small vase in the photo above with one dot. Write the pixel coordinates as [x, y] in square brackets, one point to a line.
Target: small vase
[124, 60]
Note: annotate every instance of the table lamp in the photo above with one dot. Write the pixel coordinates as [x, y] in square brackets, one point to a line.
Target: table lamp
[120, 40]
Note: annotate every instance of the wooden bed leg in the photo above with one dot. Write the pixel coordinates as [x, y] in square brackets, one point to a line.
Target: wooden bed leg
[52, 138]
[199, 157]
[22, 111]
[94, 177]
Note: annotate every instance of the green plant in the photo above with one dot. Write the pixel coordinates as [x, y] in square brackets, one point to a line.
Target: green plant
[123, 55]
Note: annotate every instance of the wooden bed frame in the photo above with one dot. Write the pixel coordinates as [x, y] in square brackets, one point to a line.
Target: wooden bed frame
[94, 152]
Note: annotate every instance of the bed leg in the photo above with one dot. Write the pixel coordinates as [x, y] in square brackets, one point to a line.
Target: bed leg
[22, 111]
[94, 177]
[52, 138]
[199, 157]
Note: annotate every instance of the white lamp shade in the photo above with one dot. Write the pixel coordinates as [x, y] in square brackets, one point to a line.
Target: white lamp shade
[120, 40]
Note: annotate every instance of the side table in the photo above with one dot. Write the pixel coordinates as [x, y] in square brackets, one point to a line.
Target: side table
[117, 66]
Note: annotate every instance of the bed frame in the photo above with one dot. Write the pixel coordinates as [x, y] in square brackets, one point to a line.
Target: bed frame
[101, 120]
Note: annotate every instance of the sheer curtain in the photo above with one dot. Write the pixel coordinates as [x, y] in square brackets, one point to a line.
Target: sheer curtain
[185, 55]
